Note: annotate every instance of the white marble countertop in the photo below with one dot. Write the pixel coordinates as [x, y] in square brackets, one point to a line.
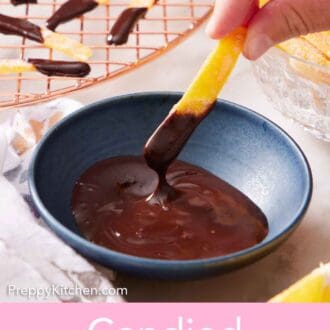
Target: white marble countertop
[305, 249]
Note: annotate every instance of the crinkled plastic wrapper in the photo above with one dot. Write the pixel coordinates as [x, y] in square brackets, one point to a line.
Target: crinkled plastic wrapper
[21, 130]
[23, 235]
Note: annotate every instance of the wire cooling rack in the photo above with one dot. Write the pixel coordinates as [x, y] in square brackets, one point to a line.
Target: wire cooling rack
[166, 25]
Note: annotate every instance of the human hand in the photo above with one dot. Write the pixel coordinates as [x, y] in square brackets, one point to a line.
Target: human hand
[277, 21]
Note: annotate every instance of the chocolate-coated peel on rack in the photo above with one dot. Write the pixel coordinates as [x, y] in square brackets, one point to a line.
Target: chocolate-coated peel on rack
[46, 67]
[24, 28]
[127, 20]
[23, 2]
[72, 9]
[170, 23]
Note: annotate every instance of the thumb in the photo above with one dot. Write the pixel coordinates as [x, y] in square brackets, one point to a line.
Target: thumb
[280, 20]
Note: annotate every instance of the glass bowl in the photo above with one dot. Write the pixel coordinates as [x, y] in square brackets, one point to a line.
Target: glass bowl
[300, 90]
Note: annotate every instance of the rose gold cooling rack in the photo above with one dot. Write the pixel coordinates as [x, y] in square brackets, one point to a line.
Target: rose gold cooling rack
[166, 25]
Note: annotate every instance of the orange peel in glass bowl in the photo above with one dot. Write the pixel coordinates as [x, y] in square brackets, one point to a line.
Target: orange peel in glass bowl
[308, 52]
[307, 60]
[321, 41]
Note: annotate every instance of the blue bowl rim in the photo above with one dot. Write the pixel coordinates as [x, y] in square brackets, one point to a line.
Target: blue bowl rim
[75, 240]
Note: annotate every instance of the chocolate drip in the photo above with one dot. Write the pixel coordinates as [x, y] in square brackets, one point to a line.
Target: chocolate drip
[69, 10]
[61, 68]
[22, 2]
[165, 145]
[125, 24]
[20, 27]
[209, 218]
[168, 140]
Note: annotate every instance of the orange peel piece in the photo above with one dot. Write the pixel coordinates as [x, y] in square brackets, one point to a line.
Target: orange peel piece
[313, 48]
[263, 2]
[213, 75]
[67, 46]
[15, 66]
[102, 2]
[314, 288]
[302, 49]
[142, 3]
[321, 41]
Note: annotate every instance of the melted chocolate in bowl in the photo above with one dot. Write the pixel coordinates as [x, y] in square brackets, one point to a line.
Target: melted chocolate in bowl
[204, 217]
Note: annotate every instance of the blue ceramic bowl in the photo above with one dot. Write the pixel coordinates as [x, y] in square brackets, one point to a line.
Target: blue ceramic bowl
[234, 143]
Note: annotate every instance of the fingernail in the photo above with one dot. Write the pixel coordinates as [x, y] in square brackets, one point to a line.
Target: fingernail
[257, 46]
[210, 27]
[214, 29]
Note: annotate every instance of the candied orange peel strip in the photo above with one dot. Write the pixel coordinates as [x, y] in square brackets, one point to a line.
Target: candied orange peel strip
[67, 46]
[15, 66]
[102, 2]
[142, 3]
[313, 48]
[302, 51]
[321, 41]
[262, 2]
[213, 75]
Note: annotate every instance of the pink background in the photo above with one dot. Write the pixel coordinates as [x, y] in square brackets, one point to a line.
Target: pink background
[163, 316]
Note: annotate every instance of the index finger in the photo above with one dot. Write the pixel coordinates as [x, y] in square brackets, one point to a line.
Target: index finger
[230, 14]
